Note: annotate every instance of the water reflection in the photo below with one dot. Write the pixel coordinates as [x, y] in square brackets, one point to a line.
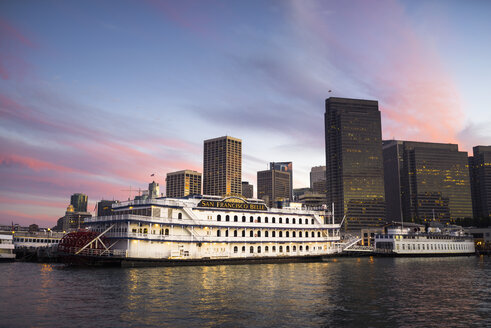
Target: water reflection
[376, 292]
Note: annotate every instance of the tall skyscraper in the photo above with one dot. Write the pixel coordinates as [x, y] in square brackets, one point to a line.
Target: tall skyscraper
[480, 174]
[79, 202]
[183, 183]
[247, 189]
[284, 167]
[426, 181]
[222, 166]
[273, 185]
[354, 167]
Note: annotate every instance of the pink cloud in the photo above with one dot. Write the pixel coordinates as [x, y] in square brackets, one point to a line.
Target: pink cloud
[32, 163]
[373, 51]
[8, 31]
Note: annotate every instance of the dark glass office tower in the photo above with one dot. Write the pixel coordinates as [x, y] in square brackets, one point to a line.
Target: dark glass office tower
[79, 202]
[284, 167]
[426, 181]
[354, 167]
[273, 185]
[480, 173]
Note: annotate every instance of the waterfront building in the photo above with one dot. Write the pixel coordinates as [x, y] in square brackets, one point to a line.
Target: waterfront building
[79, 202]
[426, 182]
[222, 166]
[273, 186]
[312, 199]
[104, 207]
[72, 220]
[183, 183]
[354, 167]
[297, 192]
[247, 189]
[284, 167]
[480, 177]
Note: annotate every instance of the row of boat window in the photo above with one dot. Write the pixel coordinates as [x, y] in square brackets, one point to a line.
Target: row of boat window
[252, 233]
[257, 233]
[433, 247]
[36, 240]
[413, 237]
[266, 219]
[273, 249]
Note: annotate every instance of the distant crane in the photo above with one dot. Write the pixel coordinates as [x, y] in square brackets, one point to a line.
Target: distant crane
[130, 190]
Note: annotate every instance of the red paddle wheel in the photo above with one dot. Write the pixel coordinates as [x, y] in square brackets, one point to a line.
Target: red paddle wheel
[74, 243]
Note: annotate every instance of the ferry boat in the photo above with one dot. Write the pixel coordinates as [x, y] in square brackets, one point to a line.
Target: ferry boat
[410, 242]
[204, 229]
[6, 248]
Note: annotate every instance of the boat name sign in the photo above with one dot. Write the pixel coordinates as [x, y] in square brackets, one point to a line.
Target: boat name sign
[232, 205]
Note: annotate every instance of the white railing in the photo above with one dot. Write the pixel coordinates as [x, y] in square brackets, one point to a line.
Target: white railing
[210, 223]
[221, 239]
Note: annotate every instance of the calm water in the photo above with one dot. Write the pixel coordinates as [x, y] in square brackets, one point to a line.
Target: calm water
[360, 292]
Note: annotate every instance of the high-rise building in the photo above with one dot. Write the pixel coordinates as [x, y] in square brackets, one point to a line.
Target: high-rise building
[480, 175]
[79, 202]
[183, 183]
[222, 166]
[318, 182]
[284, 167]
[273, 186]
[354, 167]
[247, 189]
[317, 174]
[426, 181]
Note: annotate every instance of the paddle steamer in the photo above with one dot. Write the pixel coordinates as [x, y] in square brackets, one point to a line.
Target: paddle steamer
[203, 229]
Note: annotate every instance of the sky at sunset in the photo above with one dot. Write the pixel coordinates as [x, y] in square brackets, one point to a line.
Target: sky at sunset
[95, 96]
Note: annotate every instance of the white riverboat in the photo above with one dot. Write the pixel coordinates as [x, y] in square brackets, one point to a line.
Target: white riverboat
[6, 248]
[407, 242]
[207, 228]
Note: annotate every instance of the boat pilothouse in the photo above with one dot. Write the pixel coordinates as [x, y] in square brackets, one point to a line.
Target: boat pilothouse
[420, 240]
[209, 227]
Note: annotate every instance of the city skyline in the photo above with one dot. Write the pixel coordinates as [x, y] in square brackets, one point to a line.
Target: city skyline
[96, 97]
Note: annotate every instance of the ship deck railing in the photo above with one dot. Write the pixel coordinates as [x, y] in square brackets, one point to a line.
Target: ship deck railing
[208, 223]
[221, 239]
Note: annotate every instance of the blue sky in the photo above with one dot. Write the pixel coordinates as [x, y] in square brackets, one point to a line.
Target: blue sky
[97, 95]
